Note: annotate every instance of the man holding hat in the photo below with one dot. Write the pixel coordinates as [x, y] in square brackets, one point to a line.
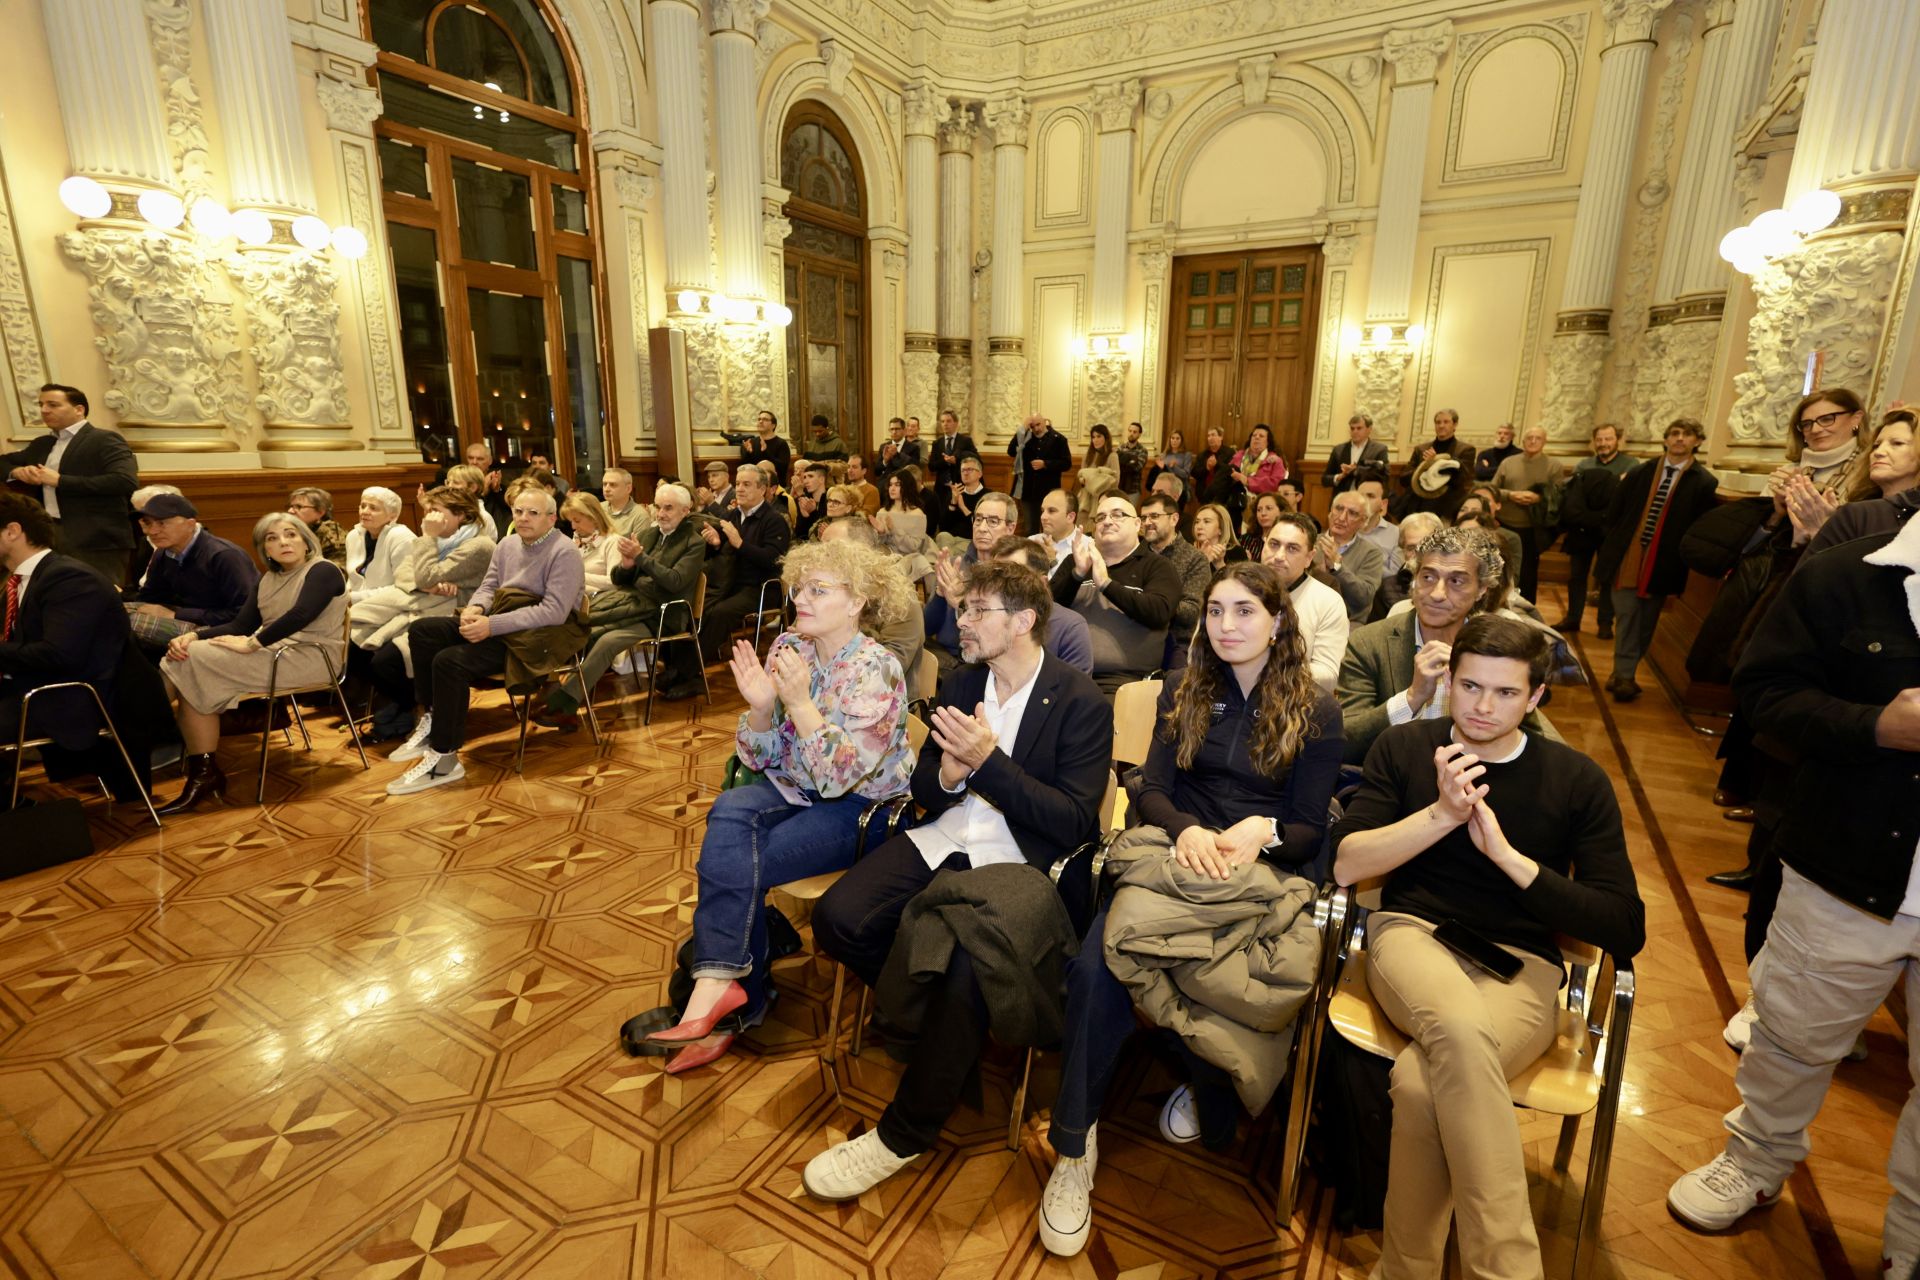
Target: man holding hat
[1441, 470]
[196, 579]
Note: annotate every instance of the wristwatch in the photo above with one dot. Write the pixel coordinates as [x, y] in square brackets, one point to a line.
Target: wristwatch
[1274, 837]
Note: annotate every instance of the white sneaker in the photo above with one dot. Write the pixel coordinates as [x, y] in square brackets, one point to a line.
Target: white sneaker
[1899, 1266]
[1180, 1117]
[1716, 1196]
[848, 1170]
[1066, 1207]
[1739, 1028]
[426, 774]
[416, 744]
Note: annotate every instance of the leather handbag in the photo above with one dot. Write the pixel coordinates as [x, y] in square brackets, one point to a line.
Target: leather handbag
[34, 837]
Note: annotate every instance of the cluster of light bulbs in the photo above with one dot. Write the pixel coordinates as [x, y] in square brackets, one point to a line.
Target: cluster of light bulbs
[1102, 344]
[1382, 334]
[1779, 232]
[735, 310]
[165, 210]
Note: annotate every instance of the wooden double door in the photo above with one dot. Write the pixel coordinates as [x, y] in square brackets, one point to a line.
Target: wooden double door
[1241, 345]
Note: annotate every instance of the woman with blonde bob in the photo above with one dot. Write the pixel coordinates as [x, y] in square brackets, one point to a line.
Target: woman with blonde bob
[594, 537]
[299, 605]
[1246, 749]
[1213, 535]
[825, 727]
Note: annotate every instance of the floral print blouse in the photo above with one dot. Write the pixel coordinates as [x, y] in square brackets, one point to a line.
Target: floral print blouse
[861, 749]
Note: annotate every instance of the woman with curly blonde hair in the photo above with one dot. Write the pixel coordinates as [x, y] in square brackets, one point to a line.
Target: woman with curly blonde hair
[826, 728]
[1246, 749]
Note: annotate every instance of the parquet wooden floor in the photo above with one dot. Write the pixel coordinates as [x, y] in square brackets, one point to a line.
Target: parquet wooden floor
[352, 1035]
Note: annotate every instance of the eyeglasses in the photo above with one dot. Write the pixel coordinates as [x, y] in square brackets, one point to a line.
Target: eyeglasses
[968, 612]
[1824, 420]
[988, 521]
[301, 506]
[1114, 517]
[813, 590]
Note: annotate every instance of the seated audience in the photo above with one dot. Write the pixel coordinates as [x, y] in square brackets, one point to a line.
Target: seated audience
[716, 496]
[1011, 779]
[1246, 749]
[660, 566]
[1481, 508]
[473, 482]
[810, 505]
[1126, 593]
[857, 481]
[1178, 459]
[300, 608]
[1397, 583]
[962, 496]
[377, 546]
[1290, 494]
[62, 621]
[630, 519]
[826, 728]
[1213, 536]
[1261, 513]
[444, 566]
[552, 479]
[1066, 635]
[1480, 825]
[905, 639]
[1355, 563]
[143, 546]
[1060, 530]
[1160, 530]
[594, 537]
[823, 442]
[523, 613]
[1359, 452]
[1318, 611]
[744, 550]
[314, 507]
[1258, 468]
[778, 496]
[1380, 531]
[902, 524]
[841, 500]
[195, 579]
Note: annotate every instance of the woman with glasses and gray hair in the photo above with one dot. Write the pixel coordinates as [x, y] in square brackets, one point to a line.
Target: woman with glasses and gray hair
[826, 730]
[299, 604]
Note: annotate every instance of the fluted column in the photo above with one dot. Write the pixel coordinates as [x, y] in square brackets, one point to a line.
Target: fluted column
[1008, 117]
[1579, 348]
[1859, 137]
[1106, 362]
[922, 108]
[109, 97]
[957, 133]
[267, 162]
[742, 234]
[683, 144]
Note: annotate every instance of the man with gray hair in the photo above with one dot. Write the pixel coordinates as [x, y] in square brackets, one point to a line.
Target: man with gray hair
[313, 507]
[535, 583]
[1126, 593]
[630, 518]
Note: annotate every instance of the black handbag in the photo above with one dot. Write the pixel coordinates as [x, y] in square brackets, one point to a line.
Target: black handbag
[37, 836]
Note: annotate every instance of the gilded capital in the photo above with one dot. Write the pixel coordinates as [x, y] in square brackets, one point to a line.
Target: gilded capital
[1415, 52]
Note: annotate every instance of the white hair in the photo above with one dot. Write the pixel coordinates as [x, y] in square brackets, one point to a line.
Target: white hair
[547, 503]
[622, 472]
[146, 492]
[675, 492]
[384, 496]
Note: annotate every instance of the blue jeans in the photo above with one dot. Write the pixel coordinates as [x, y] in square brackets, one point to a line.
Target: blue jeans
[754, 841]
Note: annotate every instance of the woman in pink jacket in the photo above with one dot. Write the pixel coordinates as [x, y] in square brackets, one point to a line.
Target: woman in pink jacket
[1257, 468]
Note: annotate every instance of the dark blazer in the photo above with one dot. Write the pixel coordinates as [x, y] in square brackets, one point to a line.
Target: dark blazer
[97, 476]
[1049, 784]
[777, 451]
[764, 540]
[1691, 498]
[1054, 454]
[667, 569]
[1838, 645]
[71, 626]
[1372, 454]
[944, 472]
[210, 585]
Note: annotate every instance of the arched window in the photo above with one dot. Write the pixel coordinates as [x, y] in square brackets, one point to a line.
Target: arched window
[825, 273]
[483, 162]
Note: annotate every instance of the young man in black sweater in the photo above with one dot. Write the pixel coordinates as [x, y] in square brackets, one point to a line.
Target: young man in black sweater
[1475, 822]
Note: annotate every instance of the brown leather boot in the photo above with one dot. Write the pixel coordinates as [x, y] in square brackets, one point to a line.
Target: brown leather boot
[204, 779]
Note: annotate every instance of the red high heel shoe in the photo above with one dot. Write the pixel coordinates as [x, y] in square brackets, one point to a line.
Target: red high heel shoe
[699, 1055]
[700, 1028]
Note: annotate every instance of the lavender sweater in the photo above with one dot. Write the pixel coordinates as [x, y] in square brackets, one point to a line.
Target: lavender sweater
[549, 568]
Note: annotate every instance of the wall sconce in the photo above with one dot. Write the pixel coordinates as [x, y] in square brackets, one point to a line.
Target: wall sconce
[1383, 335]
[1778, 233]
[210, 219]
[1101, 345]
[85, 197]
[718, 306]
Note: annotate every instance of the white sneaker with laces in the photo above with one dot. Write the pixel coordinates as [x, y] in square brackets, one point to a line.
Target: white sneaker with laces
[1066, 1207]
[416, 744]
[848, 1170]
[426, 774]
[1715, 1196]
[1739, 1030]
[1180, 1117]
[1900, 1266]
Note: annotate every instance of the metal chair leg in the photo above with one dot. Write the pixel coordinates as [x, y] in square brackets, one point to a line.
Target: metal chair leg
[346, 713]
[125, 759]
[19, 751]
[293, 704]
[830, 1051]
[522, 707]
[586, 703]
[1019, 1117]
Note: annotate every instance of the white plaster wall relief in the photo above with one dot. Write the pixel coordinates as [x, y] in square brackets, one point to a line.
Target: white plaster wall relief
[19, 326]
[1683, 385]
[955, 385]
[1567, 40]
[1154, 264]
[164, 327]
[1106, 389]
[1006, 404]
[1336, 255]
[1636, 384]
[350, 108]
[1382, 371]
[920, 375]
[1254, 74]
[1358, 74]
[633, 189]
[392, 425]
[169, 24]
[293, 324]
[769, 40]
[1091, 38]
[837, 60]
[1575, 362]
[1830, 297]
[747, 357]
[1415, 52]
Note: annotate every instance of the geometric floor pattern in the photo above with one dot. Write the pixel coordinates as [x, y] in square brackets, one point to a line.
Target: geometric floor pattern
[352, 1035]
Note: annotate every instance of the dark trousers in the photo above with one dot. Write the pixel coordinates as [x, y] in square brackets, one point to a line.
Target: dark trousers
[1637, 615]
[722, 616]
[1529, 582]
[109, 562]
[1579, 569]
[445, 667]
[388, 671]
[855, 923]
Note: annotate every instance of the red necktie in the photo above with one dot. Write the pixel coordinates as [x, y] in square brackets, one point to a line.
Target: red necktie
[13, 605]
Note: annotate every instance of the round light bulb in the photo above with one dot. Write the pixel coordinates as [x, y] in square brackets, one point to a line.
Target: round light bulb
[1382, 334]
[779, 314]
[210, 218]
[1101, 346]
[1814, 211]
[688, 300]
[85, 197]
[250, 226]
[1774, 234]
[310, 233]
[349, 242]
[1416, 334]
[1734, 244]
[162, 208]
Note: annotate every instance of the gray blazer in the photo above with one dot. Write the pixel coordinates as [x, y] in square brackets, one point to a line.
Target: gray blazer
[1361, 569]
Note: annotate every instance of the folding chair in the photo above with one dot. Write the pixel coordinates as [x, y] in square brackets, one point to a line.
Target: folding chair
[1582, 1070]
[274, 693]
[107, 729]
[1133, 705]
[926, 683]
[778, 609]
[523, 709]
[696, 610]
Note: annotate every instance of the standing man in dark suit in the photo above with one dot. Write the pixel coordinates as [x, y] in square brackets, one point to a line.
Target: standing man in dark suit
[1040, 457]
[1013, 771]
[754, 537]
[60, 621]
[1361, 450]
[1640, 558]
[949, 447]
[85, 476]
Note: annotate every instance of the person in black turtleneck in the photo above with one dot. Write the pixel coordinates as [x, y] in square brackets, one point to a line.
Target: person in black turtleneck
[1446, 423]
[1488, 460]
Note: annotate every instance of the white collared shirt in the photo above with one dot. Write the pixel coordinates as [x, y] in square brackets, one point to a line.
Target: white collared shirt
[49, 498]
[1400, 707]
[25, 571]
[974, 826]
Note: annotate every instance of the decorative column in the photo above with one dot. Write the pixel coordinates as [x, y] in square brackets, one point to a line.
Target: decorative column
[1841, 295]
[1384, 352]
[1575, 360]
[680, 91]
[957, 133]
[920, 362]
[742, 225]
[1113, 107]
[1008, 117]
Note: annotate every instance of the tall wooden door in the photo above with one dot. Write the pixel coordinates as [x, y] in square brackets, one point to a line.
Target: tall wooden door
[1241, 339]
